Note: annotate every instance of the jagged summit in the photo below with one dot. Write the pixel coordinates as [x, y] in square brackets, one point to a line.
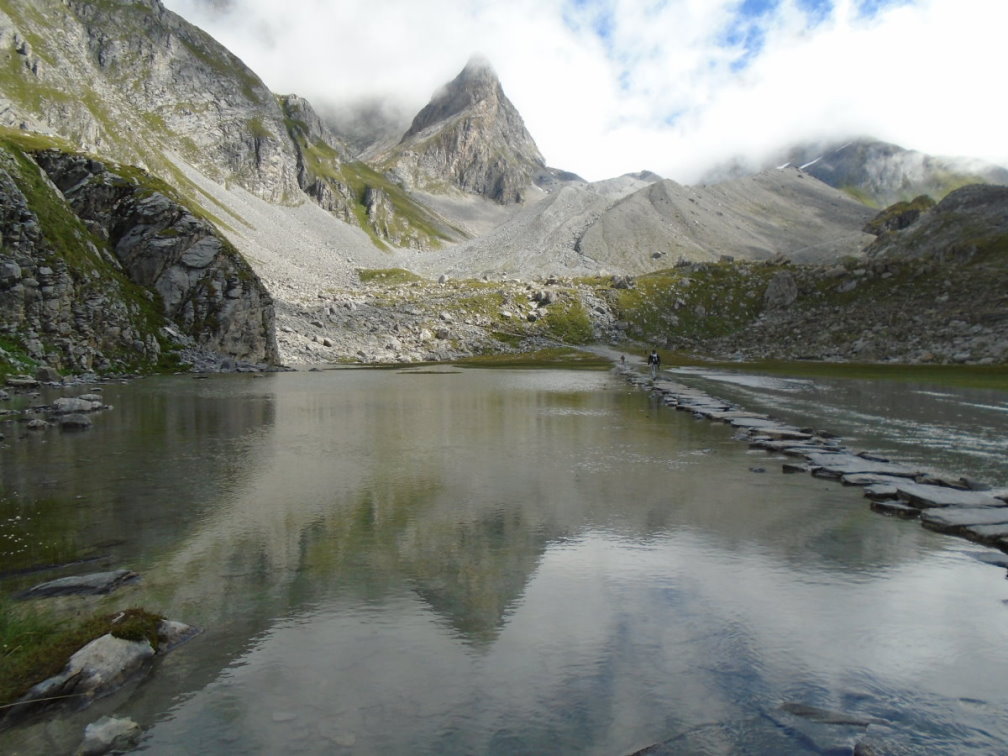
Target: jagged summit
[477, 82]
[470, 137]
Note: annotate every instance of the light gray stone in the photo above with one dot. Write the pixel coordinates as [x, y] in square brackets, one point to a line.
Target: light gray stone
[925, 496]
[108, 734]
[95, 670]
[69, 404]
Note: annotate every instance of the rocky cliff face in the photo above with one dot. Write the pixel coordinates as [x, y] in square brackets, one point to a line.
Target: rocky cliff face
[134, 82]
[469, 137]
[138, 84]
[69, 310]
[99, 271]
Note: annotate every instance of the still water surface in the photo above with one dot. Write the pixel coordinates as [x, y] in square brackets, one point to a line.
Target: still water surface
[473, 561]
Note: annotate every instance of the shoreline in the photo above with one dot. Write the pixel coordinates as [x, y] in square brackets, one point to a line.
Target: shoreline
[942, 503]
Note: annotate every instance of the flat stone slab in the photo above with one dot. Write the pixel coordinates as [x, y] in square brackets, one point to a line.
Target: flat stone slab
[790, 447]
[840, 464]
[926, 496]
[986, 533]
[951, 519]
[735, 414]
[81, 585]
[882, 492]
[784, 433]
[872, 479]
[750, 421]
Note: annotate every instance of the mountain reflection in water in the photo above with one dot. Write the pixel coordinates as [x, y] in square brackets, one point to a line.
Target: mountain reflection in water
[503, 561]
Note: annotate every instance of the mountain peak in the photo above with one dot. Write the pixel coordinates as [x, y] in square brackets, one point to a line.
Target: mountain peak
[472, 136]
[477, 82]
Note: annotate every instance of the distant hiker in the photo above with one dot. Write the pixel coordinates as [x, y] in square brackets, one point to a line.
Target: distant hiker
[654, 362]
[622, 361]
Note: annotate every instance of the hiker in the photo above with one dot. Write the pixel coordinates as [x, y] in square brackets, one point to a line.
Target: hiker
[654, 361]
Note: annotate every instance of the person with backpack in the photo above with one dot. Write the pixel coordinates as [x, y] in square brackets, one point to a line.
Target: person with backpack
[654, 362]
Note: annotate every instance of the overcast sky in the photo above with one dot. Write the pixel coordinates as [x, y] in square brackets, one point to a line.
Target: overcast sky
[674, 86]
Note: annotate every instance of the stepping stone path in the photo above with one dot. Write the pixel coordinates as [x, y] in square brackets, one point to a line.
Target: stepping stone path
[897, 490]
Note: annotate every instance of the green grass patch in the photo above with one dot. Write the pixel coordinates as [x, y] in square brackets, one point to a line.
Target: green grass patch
[509, 339]
[712, 299]
[569, 322]
[35, 645]
[14, 360]
[557, 357]
[958, 376]
[387, 276]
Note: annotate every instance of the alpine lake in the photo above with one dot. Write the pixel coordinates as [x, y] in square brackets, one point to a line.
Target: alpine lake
[450, 560]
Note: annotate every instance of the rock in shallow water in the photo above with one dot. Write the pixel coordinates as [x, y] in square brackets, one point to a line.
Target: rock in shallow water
[107, 734]
[80, 585]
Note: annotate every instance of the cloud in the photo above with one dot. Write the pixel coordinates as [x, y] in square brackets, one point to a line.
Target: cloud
[610, 86]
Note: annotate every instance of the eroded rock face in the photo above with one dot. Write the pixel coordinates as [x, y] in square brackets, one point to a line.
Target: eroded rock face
[471, 135]
[69, 310]
[206, 287]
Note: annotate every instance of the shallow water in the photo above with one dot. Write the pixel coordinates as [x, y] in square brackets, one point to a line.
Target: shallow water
[960, 431]
[505, 561]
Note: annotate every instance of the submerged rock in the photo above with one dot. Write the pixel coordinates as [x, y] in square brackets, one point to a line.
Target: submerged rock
[75, 422]
[96, 583]
[108, 734]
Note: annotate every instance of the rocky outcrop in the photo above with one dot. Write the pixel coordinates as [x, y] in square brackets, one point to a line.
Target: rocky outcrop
[63, 300]
[99, 272]
[471, 137]
[205, 286]
[899, 215]
[971, 222]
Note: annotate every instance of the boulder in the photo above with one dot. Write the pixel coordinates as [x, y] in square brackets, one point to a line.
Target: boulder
[97, 669]
[75, 422]
[781, 292]
[68, 404]
[46, 374]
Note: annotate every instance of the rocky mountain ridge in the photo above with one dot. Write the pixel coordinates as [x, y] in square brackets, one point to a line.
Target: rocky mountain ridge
[464, 194]
[136, 83]
[873, 171]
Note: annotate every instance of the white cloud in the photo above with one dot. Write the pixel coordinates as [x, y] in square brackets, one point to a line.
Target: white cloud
[610, 86]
